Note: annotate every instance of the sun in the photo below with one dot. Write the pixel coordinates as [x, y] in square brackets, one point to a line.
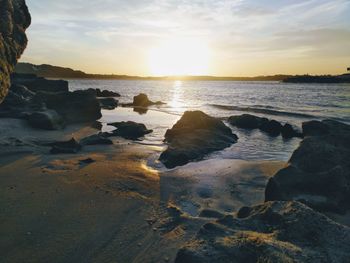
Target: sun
[178, 57]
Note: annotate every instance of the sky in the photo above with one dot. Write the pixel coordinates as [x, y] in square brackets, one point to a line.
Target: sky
[191, 37]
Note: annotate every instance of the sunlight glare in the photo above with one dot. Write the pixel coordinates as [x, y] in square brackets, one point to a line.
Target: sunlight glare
[179, 57]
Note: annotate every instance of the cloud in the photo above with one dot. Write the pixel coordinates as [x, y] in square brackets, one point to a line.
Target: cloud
[233, 28]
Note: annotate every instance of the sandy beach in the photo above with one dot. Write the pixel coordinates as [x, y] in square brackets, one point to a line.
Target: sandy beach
[57, 208]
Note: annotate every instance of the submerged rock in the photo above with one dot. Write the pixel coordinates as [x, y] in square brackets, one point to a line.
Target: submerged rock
[193, 136]
[247, 121]
[71, 146]
[130, 130]
[47, 120]
[96, 139]
[14, 20]
[318, 173]
[75, 107]
[271, 232]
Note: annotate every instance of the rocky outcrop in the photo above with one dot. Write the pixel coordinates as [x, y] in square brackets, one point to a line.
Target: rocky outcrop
[36, 84]
[129, 130]
[108, 103]
[193, 136]
[46, 120]
[271, 127]
[247, 121]
[318, 173]
[271, 232]
[142, 100]
[14, 20]
[74, 107]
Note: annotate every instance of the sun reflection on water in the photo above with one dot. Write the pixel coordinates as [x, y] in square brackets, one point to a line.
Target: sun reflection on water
[176, 102]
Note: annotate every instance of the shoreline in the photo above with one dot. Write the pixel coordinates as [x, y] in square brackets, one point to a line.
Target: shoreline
[110, 201]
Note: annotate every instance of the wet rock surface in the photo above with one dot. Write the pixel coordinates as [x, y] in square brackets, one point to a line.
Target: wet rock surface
[318, 173]
[108, 103]
[105, 93]
[142, 100]
[15, 19]
[96, 139]
[195, 135]
[271, 232]
[129, 130]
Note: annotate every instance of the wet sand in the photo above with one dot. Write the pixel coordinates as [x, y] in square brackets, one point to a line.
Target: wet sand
[57, 208]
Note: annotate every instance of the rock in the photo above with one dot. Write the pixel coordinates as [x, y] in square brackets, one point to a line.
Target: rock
[96, 139]
[288, 131]
[22, 91]
[86, 161]
[75, 107]
[71, 146]
[318, 173]
[130, 130]
[210, 214]
[46, 120]
[106, 93]
[108, 103]
[315, 128]
[15, 19]
[195, 135]
[271, 232]
[41, 84]
[142, 100]
[247, 121]
[272, 127]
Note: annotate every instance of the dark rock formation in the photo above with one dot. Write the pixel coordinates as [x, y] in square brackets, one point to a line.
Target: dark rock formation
[71, 146]
[272, 127]
[271, 232]
[130, 130]
[75, 107]
[288, 131]
[14, 20]
[36, 84]
[193, 136]
[108, 103]
[315, 128]
[247, 121]
[318, 173]
[96, 139]
[47, 120]
[142, 100]
[106, 93]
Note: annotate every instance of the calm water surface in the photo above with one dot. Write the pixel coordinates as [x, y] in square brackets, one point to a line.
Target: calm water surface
[293, 103]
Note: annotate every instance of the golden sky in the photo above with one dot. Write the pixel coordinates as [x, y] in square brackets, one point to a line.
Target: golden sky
[183, 37]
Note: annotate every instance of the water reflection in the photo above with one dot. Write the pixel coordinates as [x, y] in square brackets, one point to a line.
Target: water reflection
[177, 101]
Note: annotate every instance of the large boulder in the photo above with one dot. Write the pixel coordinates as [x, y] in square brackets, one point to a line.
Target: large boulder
[46, 120]
[271, 232]
[130, 130]
[247, 121]
[14, 20]
[318, 173]
[315, 128]
[195, 135]
[74, 107]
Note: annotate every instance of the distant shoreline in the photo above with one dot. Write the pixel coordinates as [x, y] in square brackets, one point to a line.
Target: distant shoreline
[49, 71]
